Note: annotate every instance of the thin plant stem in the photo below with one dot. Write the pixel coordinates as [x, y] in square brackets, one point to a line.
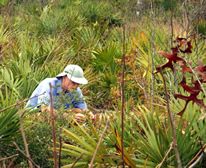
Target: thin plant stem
[197, 161]
[98, 145]
[23, 134]
[77, 160]
[53, 127]
[172, 125]
[9, 157]
[201, 151]
[122, 112]
[165, 156]
[28, 158]
[10, 164]
[171, 25]
[21, 102]
[152, 54]
[60, 148]
[143, 87]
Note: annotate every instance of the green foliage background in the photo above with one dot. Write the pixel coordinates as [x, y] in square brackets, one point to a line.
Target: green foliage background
[39, 38]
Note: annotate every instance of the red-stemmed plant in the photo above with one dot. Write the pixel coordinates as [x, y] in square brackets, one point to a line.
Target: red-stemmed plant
[193, 90]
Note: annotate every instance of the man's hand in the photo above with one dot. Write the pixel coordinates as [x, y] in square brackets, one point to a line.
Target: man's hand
[80, 114]
[47, 109]
[77, 110]
[92, 116]
[84, 111]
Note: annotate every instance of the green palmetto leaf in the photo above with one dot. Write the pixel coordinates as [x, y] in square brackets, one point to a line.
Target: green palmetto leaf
[153, 140]
[76, 151]
[78, 164]
[188, 142]
[78, 140]
[92, 141]
[5, 34]
[150, 142]
[105, 55]
[8, 80]
[9, 119]
[200, 124]
[86, 144]
[88, 137]
[127, 158]
[113, 140]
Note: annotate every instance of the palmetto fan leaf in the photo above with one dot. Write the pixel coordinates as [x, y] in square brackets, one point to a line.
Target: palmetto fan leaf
[105, 55]
[85, 143]
[9, 125]
[5, 34]
[153, 139]
[83, 42]
[9, 119]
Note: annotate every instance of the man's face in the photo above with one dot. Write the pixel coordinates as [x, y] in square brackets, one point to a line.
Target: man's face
[67, 84]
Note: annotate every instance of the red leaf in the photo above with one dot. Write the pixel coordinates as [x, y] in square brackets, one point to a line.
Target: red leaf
[183, 80]
[171, 57]
[181, 97]
[189, 47]
[187, 50]
[200, 69]
[192, 90]
[179, 39]
[187, 99]
[175, 49]
[183, 110]
[169, 65]
[183, 64]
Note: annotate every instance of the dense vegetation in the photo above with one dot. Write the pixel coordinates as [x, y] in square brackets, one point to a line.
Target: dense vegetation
[160, 111]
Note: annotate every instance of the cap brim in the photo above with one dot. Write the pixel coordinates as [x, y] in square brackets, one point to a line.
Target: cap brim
[78, 80]
[61, 74]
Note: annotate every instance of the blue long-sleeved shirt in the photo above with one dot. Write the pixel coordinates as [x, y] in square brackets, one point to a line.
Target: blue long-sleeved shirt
[56, 89]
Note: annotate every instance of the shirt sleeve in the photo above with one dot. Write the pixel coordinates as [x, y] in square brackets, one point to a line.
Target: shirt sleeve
[42, 90]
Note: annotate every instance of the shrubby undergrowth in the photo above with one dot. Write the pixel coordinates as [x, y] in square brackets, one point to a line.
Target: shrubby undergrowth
[39, 38]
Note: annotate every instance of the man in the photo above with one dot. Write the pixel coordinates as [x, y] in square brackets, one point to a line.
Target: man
[65, 85]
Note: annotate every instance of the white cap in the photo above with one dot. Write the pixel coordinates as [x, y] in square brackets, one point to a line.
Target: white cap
[74, 73]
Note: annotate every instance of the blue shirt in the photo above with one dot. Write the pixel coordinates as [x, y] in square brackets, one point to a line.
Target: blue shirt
[75, 98]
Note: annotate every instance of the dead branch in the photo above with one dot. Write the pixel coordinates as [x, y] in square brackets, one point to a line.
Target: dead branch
[12, 161]
[60, 148]
[165, 156]
[23, 134]
[198, 160]
[76, 160]
[53, 127]
[122, 111]
[17, 148]
[152, 54]
[9, 157]
[95, 153]
[21, 102]
[172, 125]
